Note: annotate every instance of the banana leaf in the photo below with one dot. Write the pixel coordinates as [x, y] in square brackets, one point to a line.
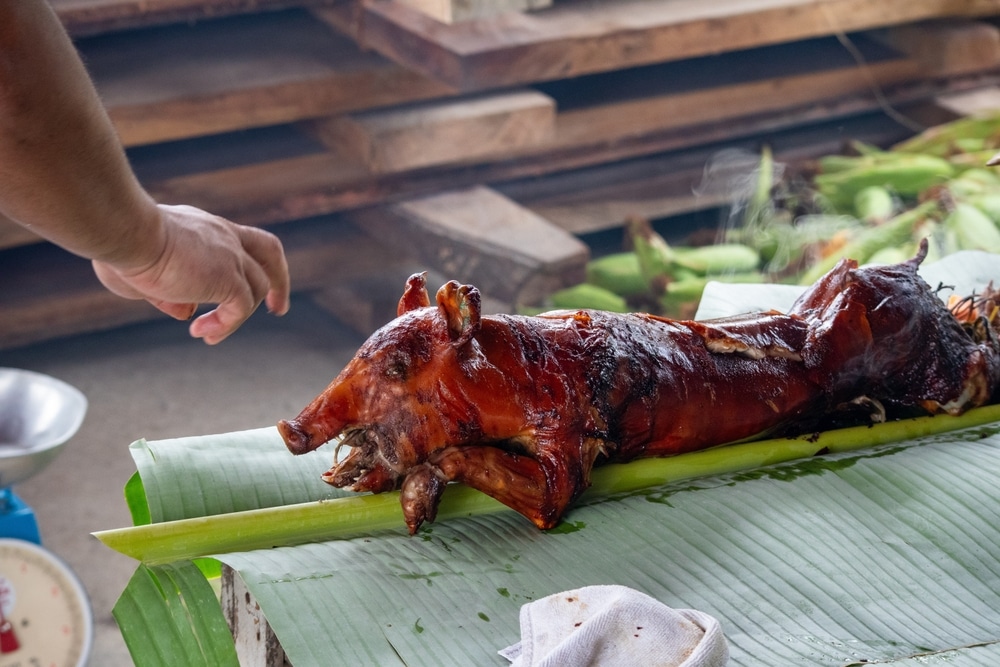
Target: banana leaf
[890, 554]
[881, 555]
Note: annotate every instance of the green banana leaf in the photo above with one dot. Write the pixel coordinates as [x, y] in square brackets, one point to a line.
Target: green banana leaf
[879, 555]
[890, 554]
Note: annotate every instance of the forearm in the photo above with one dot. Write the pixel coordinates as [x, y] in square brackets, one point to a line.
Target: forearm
[63, 172]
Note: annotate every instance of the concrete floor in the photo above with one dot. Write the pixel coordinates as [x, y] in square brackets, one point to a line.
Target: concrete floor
[152, 381]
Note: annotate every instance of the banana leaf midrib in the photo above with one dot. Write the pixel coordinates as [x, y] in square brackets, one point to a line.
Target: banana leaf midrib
[363, 514]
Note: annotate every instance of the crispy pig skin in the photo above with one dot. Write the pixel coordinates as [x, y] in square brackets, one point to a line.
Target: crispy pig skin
[522, 408]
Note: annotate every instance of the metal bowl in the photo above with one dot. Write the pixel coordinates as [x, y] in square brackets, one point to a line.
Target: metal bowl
[38, 414]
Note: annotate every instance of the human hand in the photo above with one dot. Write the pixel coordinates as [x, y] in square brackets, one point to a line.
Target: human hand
[205, 259]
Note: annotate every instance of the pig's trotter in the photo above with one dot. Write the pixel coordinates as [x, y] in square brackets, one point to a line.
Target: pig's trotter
[539, 492]
[420, 495]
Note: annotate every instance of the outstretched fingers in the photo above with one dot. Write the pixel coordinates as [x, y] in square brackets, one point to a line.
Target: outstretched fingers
[267, 251]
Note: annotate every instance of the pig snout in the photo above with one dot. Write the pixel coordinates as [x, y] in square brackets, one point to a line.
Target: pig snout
[298, 438]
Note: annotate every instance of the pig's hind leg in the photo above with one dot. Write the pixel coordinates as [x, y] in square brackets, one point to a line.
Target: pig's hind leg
[540, 489]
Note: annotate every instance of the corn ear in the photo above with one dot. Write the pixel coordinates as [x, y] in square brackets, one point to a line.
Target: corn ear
[833, 164]
[760, 207]
[988, 203]
[973, 182]
[906, 175]
[619, 273]
[892, 254]
[587, 296]
[865, 149]
[874, 204]
[682, 292]
[899, 230]
[940, 139]
[973, 229]
[654, 254]
[721, 258]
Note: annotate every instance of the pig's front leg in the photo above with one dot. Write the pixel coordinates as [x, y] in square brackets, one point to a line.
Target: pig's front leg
[539, 488]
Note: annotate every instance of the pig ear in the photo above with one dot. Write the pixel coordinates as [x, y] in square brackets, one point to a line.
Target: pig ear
[415, 294]
[460, 306]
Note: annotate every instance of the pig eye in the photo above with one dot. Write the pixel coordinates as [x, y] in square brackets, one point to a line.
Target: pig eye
[397, 367]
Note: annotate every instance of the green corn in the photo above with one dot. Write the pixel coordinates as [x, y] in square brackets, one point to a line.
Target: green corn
[865, 149]
[586, 296]
[619, 273]
[682, 292]
[940, 140]
[894, 232]
[760, 206]
[833, 164]
[973, 182]
[654, 254]
[970, 144]
[988, 203]
[874, 204]
[892, 254]
[906, 175]
[717, 259]
[973, 229]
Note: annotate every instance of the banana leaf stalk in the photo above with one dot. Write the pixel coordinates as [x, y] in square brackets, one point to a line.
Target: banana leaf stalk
[351, 516]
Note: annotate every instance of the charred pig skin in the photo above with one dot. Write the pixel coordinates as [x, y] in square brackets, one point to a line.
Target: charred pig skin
[522, 408]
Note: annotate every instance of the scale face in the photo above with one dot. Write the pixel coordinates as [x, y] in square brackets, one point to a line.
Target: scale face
[45, 618]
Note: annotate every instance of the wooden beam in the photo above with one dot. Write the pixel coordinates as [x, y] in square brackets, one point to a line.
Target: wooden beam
[451, 11]
[949, 46]
[480, 237]
[705, 90]
[981, 101]
[573, 38]
[187, 81]
[320, 182]
[256, 643]
[443, 132]
[90, 17]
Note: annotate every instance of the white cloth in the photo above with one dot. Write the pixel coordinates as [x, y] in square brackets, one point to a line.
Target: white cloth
[612, 626]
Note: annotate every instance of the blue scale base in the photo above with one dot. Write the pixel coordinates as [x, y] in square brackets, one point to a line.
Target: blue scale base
[17, 520]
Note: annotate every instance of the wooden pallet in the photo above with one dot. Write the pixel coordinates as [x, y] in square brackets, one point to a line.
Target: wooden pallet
[281, 174]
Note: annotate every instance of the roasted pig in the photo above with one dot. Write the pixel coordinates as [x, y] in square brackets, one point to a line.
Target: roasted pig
[522, 408]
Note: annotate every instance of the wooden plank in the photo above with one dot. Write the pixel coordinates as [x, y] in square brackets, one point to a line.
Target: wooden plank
[606, 196]
[480, 237]
[186, 81]
[948, 107]
[441, 132]
[315, 183]
[450, 11]
[576, 37]
[90, 17]
[983, 100]
[256, 643]
[948, 47]
[706, 90]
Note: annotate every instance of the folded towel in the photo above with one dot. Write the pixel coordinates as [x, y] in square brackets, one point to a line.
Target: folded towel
[612, 626]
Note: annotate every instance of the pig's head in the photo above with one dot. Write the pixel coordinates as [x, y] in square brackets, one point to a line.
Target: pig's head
[401, 396]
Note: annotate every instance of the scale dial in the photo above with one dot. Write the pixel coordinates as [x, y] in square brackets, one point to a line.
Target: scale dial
[45, 617]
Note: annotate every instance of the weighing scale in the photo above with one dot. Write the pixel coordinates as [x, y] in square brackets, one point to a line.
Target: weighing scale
[45, 616]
